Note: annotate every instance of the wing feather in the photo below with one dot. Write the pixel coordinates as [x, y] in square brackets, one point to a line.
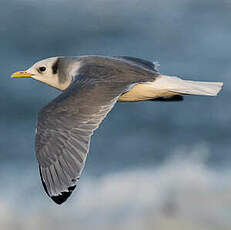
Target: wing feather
[64, 129]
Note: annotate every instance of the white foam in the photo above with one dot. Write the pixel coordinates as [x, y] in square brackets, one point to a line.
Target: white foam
[182, 193]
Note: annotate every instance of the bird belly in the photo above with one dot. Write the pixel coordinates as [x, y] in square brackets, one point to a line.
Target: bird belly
[144, 92]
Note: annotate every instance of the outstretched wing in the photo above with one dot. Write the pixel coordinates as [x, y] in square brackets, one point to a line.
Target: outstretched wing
[64, 129]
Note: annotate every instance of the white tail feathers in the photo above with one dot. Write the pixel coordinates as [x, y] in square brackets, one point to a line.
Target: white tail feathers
[178, 85]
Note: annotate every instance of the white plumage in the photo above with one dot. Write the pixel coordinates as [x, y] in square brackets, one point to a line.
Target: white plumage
[178, 85]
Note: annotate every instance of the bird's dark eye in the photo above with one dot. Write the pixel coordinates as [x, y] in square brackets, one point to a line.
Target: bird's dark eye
[42, 69]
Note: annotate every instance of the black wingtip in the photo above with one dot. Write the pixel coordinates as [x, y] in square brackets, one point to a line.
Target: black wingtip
[172, 98]
[60, 198]
[63, 196]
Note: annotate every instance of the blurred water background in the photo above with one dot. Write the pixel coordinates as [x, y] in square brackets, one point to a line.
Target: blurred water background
[152, 165]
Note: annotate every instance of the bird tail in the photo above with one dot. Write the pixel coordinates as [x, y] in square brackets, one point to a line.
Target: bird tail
[178, 85]
[168, 88]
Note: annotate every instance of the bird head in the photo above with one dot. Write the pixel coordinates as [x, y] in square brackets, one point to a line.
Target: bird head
[48, 71]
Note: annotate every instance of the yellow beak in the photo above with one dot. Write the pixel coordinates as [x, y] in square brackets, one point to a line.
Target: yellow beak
[21, 74]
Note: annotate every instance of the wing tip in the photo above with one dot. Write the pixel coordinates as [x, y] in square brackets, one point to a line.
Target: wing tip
[167, 99]
[59, 199]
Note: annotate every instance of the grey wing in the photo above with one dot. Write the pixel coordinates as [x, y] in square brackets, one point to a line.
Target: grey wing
[64, 129]
[153, 66]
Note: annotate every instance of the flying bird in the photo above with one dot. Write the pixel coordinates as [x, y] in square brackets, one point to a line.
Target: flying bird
[91, 85]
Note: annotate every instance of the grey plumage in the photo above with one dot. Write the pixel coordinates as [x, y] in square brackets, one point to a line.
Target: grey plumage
[65, 125]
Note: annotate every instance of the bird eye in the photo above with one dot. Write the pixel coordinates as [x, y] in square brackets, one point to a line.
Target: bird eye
[42, 69]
